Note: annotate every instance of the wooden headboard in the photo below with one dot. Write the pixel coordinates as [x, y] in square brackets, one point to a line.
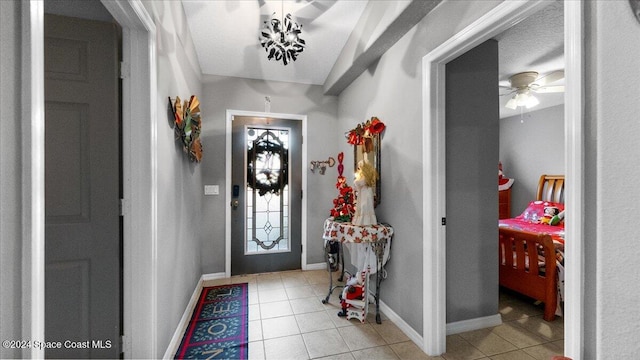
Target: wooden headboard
[551, 188]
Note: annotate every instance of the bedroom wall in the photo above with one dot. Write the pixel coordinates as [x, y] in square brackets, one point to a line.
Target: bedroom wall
[222, 93]
[179, 181]
[392, 90]
[612, 130]
[530, 146]
[10, 177]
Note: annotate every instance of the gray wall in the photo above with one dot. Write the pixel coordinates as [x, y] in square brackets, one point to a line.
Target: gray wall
[530, 146]
[223, 93]
[391, 89]
[10, 177]
[179, 181]
[472, 140]
[612, 125]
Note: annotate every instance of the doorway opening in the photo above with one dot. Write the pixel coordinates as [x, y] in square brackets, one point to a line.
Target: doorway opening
[434, 277]
[236, 195]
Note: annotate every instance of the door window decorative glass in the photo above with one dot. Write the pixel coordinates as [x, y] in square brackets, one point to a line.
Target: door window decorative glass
[267, 205]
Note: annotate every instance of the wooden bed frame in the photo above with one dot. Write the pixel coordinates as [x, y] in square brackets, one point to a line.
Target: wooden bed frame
[517, 247]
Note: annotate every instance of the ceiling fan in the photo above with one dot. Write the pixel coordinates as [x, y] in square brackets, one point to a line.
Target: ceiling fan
[523, 84]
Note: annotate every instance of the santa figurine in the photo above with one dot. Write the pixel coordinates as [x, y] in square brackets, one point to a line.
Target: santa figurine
[504, 183]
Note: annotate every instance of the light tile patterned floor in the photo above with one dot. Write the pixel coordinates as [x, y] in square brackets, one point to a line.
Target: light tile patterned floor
[287, 320]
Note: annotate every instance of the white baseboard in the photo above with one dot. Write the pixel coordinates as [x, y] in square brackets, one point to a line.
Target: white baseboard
[216, 276]
[400, 323]
[473, 324]
[318, 266]
[184, 321]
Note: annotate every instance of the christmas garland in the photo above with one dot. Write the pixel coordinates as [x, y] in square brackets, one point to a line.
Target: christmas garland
[365, 130]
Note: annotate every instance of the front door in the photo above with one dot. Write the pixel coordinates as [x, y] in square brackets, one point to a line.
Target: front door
[266, 195]
[82, 187]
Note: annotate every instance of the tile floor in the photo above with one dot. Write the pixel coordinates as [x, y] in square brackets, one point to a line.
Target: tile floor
[287, 320]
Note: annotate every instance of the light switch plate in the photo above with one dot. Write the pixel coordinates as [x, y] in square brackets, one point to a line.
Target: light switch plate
[212, 190]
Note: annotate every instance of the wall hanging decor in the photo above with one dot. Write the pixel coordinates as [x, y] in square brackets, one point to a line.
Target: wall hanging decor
[322, 165]
[187, 124]
[366, 140]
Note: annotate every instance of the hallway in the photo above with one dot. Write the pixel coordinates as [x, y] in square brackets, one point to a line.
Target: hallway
[287, 320]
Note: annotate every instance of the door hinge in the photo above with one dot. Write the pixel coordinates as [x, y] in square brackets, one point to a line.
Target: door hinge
[301, 194]
[124, 347]
[125, 71]
[444, 221]
[122, 207]
[301, 248]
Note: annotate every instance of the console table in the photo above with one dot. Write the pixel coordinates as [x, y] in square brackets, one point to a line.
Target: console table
[375, 239]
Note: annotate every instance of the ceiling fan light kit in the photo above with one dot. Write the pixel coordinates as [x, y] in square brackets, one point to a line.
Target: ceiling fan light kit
[525, 99]
[524, 83]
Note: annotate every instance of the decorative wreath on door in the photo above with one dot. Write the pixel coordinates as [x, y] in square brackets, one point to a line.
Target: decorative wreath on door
[266, 151]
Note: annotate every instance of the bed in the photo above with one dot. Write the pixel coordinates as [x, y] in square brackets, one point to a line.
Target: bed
[530, 235]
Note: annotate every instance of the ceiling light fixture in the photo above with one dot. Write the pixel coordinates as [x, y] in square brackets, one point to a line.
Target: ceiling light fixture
[281, 39]
[522, 98]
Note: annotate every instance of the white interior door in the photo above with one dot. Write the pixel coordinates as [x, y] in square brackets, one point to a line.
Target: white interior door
[82, 187]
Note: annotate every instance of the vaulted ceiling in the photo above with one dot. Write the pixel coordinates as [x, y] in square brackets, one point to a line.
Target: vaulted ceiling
[226, 38]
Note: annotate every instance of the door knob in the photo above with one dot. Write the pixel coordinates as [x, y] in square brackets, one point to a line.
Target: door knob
[234, 204]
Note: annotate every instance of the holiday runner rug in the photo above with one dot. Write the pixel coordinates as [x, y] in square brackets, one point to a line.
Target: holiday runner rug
[218, 327]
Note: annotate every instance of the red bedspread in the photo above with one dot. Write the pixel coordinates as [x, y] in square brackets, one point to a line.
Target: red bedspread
[556, 232]
[528, 222]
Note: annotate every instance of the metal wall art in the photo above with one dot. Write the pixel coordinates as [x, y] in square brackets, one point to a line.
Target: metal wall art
[187, 124]
[322, 165]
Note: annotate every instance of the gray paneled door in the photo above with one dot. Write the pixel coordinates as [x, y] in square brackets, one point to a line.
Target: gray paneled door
[82, 186]
[472, 144]
[266, 195]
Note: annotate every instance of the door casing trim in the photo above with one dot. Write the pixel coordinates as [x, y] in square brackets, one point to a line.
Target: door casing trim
[502, 17]
[230, 114]
[139, 177]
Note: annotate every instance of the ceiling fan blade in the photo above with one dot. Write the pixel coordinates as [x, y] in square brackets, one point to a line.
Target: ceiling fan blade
[550, 78]
[511, 92]
[549, 89]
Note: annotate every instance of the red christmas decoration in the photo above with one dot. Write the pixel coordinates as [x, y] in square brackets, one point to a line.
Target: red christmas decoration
[343, 204]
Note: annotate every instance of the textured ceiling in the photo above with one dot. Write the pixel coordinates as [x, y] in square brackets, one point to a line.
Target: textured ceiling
[534, 44]
[226, 35]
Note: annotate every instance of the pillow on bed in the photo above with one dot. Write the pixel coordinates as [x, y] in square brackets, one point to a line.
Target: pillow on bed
[535, 211]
